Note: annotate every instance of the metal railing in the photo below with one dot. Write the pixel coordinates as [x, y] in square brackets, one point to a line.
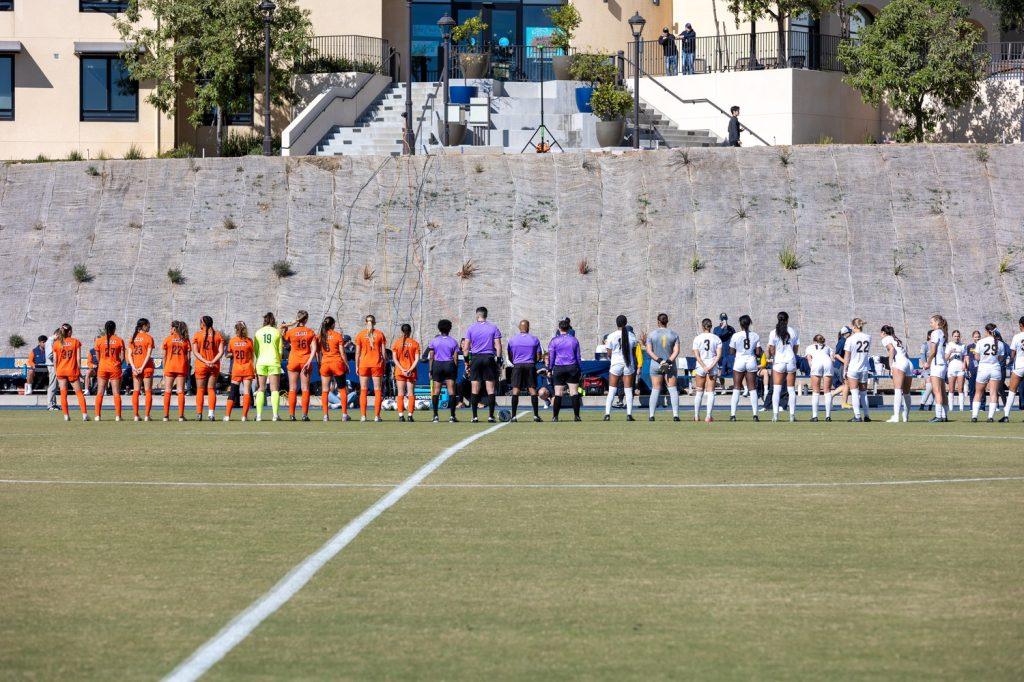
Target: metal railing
[364, 51]
[513, 62]
[746, 52]
[1003, 61]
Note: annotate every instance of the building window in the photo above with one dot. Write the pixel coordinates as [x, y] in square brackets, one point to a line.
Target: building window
[237, 115]
[6, 5]
[108, 91]
[111, 6]
[6, 87]
[860, 18]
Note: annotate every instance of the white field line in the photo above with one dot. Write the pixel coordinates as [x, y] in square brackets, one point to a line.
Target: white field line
[961, 435]
[538, 486]
[242, 625]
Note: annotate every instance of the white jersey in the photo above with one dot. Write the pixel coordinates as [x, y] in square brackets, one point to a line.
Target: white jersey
[706, 346]
[1017, 346]
[745, 344]
[784, 350]
[955, 352]
[613, 342]
[899, 355]
[859, 348]
[819, 355]
[987, 351]
[939, 339]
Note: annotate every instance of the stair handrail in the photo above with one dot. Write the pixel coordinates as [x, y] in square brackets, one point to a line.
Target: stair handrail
[433, 108]
[702, 100]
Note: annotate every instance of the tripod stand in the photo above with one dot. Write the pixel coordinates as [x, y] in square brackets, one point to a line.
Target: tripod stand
[541, 147]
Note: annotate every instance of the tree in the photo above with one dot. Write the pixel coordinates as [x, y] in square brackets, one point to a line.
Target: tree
[919, 58]
[780, 11]
[209, 52]
[1011, 13]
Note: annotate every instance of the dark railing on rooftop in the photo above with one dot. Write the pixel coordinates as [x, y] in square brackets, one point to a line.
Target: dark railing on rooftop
[1004, 61]
[347, 51]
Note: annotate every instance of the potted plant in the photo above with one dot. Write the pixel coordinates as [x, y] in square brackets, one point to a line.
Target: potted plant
[610, 105]
[472, 60]
[593, 69]
[565, 19]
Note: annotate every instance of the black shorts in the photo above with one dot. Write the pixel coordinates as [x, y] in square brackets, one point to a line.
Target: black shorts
[443, 371]
[562, 375]
[524, 376]
[483, 368]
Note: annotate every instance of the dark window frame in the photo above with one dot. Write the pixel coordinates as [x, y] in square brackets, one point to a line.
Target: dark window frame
[109, 114]
[104, 6]
[6, 5]
[235, 118]
[5, 114]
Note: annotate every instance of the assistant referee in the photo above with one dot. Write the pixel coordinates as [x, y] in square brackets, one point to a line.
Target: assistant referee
[482, 345]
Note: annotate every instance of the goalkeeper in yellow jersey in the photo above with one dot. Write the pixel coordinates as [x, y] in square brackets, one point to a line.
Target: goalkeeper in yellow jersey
[267, 349]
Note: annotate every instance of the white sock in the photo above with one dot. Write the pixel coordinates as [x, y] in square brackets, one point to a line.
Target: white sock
[828, 407]
[653, 404]
[897, 402]
[696, 404]
[855, 394]
[710, 395]
[864, 399]
[1008, 406]
[960, 398]
[776, 397]
[906, 406]
[629, 400]
[735, 401]
[753, 402]
[791, 390]
[673, 397]
[975, 408]
[609, 400]
[992, 409]
[28, 388]
[949, 398]
[814, 405]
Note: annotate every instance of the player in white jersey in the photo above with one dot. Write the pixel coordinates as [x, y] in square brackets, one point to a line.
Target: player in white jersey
[956, 370]
[990, 373]
[820, 357]
[707, 348]
[902, 374]
[858, 369]
[1017, 371]
[745, 346]
[783, 344]
[663, 348]
[935, 363]
[621, 345]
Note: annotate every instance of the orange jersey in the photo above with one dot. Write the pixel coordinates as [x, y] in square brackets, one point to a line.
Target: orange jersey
[333, 349]
[241, 356]
[176, 351]
[371, 348]
[67, 356]
[301, 341]
[110, 351]
[141, 346]
[206, 345]
[407, 354]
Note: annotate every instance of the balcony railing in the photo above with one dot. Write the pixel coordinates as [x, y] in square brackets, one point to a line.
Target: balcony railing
[1003, 61]
[512, 62]
[349, 51]
[746, 52]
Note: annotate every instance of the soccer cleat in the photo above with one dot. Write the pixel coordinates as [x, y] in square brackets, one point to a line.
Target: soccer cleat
[629, 418]
[792, 418]
[377, 420]
[675, 418]
[537, 419]
[435, 420]
[492, 420]
[577, 419]
[117, 418]
[474, 420]
[326, 418]
[814, 419]
[855, 419]
[756, 418]
[554, 419]
[410, 419]
[199, 416]
[732, 417]
[305, 417]
[96, 418]
[828, 419]
[345, 418]
[937, 420]
[291, 417]
[453, 420]
[696, 418]
[136, 417]
[244, 418]
[166, 419]
[893, 420]
[227, 419]
[775, 418]
[607, 418]
[990, 420]
[401, 418]
[650, 419]
[362, 419]
[514, 419]
[1003, 420]
[181, 419]
[276, 418]
[210, 415]
[258, 418]
[67, 417]
[867, 419]
[708, 420]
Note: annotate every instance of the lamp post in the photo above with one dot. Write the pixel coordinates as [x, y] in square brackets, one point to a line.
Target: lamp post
[410, 136]
[636, 25]
[446, 23]
[267, 7]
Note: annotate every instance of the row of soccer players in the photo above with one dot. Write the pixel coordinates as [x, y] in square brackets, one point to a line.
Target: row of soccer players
[258, 358]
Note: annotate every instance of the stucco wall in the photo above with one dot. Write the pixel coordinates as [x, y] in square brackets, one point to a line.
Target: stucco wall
[388, 236]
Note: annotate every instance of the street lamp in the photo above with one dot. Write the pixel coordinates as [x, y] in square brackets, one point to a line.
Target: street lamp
[267, 7]
[446, 23]
[410, 136]
[636, 25]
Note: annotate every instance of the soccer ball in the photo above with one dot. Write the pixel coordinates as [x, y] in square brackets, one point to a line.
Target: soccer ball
[389, 404]
[422, 404]
[504, 415]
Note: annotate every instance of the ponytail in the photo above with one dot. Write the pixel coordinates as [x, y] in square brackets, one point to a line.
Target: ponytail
[241, 330]
[143, 322]
[745, 326]
[63, 332]
[108, 329]
[782, 327]
[325, 326]
[208, 326]
[627, 354]
[889, 331]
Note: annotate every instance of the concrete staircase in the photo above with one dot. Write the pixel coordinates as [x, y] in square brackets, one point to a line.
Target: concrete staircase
[379, 129]
[654, 124]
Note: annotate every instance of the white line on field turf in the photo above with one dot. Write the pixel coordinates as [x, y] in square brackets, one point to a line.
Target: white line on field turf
[206, 656]
[542, 486]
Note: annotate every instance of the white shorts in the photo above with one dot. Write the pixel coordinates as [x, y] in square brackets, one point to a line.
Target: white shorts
[621, 369]
[744, 363]
[701, 373]
[956, 368]
[784, 366]
[821, 371]
[937, 372]
[907, 367]
[987, 373]
[1019, 372]
[861, 376]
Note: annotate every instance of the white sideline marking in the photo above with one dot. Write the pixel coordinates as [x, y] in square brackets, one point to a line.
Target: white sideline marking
[541, 486]
[961, 435]
[242, 625]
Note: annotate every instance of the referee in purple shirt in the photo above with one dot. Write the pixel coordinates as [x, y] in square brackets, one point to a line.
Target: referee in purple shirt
[564, 364]
[524, 352]
[441, 353]
[482, 345]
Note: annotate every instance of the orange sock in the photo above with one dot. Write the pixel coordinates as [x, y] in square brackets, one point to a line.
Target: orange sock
[292, 396]
[167, 403]
[181, 403]
[117, 404]
[362, 401]
[376, 403]
[324, 402]
[305, 402]
[343, 394]
[228, 407]
[149, 402]
[64, 400]
[135, 403]
[400, 404]
[246, 403]
[99, 404]
[410, 404]
[211, 399]
[81, 400]
[200, 398]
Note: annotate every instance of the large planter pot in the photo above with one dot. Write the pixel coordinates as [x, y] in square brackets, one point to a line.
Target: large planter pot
[461, 94]
[474, 64]
[560, 64]
[456, 133]
[583, 100]
[610, 133]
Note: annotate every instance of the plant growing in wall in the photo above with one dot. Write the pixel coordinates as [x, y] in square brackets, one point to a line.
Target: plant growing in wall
[610, 104]
[175, 276]
[15, 341]
[282, 269]
[472, 60]
[565, 19]
[81, 274]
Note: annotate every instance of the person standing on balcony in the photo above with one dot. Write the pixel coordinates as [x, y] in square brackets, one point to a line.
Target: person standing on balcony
[668, 46]
[689, 43]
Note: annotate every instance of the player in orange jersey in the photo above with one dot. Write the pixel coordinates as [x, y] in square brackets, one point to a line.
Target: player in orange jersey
[207, 350]
[110, 351]
[176, 353]
[140, 360]
[370, 344]
[406, 351]
[333, 366]
[243, 370]
[303, 341]
[67, 359]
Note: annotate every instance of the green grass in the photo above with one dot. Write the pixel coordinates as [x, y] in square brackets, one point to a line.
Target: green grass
[893, 582]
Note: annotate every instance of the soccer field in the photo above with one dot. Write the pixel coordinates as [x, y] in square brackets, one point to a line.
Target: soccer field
[591, 550]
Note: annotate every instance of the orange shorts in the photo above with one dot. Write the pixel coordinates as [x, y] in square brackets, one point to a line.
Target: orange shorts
[69, 377]
[333, 369]
[147, 371]
[235, 378]
[108, 374]
[406, 377]
[205, 371]
[296, 364]
[371, 371]
[174, 375]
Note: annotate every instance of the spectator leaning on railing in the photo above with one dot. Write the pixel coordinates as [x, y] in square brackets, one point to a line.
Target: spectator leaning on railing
[668, 46]
[689, 44]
